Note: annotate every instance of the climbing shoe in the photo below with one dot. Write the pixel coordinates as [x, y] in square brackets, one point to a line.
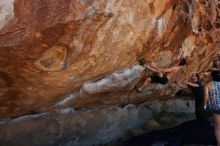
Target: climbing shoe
[141, 62]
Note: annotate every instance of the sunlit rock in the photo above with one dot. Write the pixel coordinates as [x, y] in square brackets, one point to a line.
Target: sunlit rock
[6, 12]
[83, 53]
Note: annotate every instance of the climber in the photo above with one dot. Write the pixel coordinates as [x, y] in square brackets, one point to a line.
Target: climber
[195, 84]
[161, 75]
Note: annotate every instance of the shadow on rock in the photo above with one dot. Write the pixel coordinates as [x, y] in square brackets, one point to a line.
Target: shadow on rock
[190, 132]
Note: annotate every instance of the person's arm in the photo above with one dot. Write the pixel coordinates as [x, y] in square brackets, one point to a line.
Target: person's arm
[192, 84]
[165, 70]
[170, 69]
[182, 85]
[181, 54]
[152, 68]
[153, 65]
[206, 96]
[179, 57]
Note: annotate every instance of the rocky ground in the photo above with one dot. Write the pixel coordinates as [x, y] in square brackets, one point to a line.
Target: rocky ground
[190, 132]
[68, 127]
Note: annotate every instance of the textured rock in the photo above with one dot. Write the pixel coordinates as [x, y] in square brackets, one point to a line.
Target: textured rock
[67, 127]
[72, 53]
[6, 12]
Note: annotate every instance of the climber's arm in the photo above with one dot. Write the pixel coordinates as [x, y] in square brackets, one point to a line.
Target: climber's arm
[152, 68]
[170, 69]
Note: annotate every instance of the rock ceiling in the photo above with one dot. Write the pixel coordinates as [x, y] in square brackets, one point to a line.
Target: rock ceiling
[83, 53]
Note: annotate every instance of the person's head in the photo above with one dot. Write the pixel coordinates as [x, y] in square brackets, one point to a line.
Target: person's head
[215, 75]
[195, 77]
[182, 62]
[215, 63]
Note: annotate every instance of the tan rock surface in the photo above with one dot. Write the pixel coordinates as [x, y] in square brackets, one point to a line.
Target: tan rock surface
[55, 50]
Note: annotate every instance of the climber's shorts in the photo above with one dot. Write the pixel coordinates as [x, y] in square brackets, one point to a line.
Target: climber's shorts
[157, 79]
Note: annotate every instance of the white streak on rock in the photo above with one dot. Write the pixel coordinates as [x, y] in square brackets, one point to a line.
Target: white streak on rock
[66, 110]
[29, 117]
[67, 99]
[6, 12]
[117, 80]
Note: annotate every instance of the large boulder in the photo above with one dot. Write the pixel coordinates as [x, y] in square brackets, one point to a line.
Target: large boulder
[83, 53]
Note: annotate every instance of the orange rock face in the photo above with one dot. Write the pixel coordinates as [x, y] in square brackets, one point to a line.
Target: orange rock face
[82, 53]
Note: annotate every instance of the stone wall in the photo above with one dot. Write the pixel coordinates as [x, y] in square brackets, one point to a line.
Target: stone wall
[51, 50]
[68, 127]
[6, 12]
